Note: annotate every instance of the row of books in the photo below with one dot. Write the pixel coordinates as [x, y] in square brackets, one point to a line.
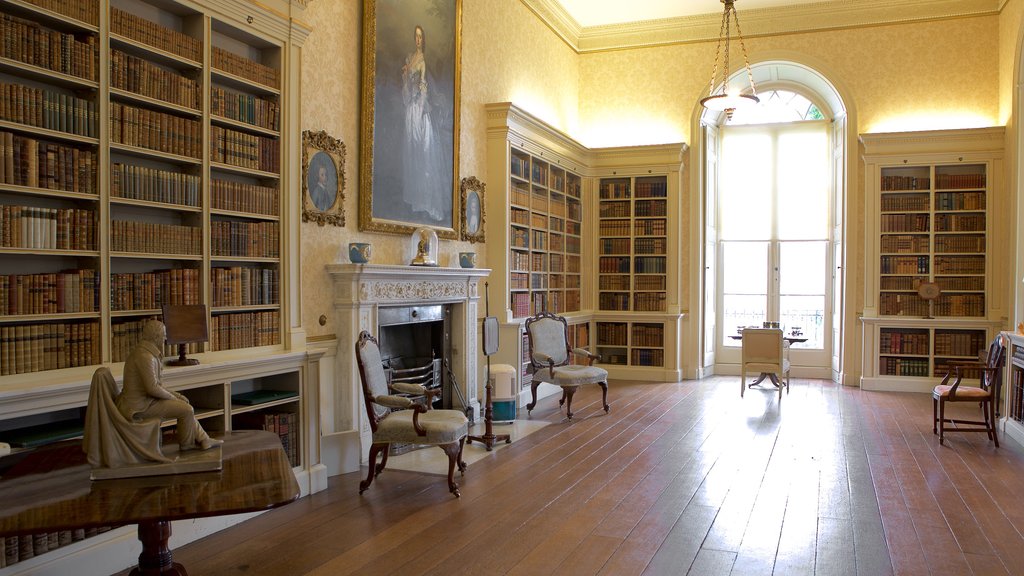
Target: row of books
[519, 166]
[245, 68]
[141, 76]
[960, 201]
[613, 282]
[241, 286]
[155, 130]
[650, 227]
[1017, 399]
[155, 185]
[960, 264]
[651, 189]
[48, 109]
[904, 243]
[649, 301]
[150, 290]
[520, 304]
[245, 330]
[28, 348]
[649, 245]
[898, 342]
[650, 335]
[48, 228]
[904, 265]
[905, 183]
[244, 150]
[947, 181]
[153, 238]
[572, 245]
[903, 222]
[519, 260]
[615, 246]
[649, 264]
[958, 305]
[240, 197]
[649, 282]
[245, 108]
[959, 222]
[125, 335]
[519, 216]
[903, 366]
[249, 239]
[26, 161]
[901, 282]
[904, 202]
[959, 343]
[152, 34]
[87, 11]
[615, 190]
[961, 283]
[613, 301]
[613, 265]
[648, 358]
[612, 333]
[27, 546]
[902, 305]
[30, 43]
[282, 423]
[650, 208]
[51, 293]
[960, 243]
[614, 228]
[614, 210]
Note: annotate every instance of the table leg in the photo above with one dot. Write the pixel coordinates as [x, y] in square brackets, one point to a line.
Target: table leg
[155, 559]
[759, 379]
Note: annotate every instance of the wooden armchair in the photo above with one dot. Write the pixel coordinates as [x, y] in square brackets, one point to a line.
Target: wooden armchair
[990, 375]
[395, 418]
[550, 355]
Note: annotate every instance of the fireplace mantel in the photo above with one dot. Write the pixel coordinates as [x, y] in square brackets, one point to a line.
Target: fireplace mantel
[360, 290]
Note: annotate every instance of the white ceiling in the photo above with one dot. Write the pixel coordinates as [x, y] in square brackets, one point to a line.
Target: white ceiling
[603, 12]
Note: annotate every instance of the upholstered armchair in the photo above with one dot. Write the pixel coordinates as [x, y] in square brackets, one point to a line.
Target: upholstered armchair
[551, 356]
[763, 352]
[398, 419]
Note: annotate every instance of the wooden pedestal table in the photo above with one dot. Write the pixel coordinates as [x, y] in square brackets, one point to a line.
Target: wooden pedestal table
[770, 375]
[48, 489]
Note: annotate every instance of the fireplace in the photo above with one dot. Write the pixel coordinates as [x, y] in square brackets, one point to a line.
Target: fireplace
[415, 346]
[376, 298]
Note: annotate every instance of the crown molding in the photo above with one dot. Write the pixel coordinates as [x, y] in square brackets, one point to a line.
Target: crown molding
[828, 15]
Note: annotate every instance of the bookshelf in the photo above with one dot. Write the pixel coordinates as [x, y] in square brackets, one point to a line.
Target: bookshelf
[932, 217]
[1013, 386]
[144, 160]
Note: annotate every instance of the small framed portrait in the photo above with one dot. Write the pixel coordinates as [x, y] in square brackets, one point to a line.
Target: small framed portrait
[472, 209]
[323, 179]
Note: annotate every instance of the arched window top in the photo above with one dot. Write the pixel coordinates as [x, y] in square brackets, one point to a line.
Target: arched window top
[777, 106]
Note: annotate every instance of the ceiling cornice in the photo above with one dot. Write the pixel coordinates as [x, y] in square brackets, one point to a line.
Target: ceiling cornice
[794, 19]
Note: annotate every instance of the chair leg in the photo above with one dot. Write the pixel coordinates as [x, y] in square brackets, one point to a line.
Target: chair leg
[460, 462]
[533, 391]
[743, 381]
[384, 460]
[604, 396]
[372, 473]
[567, 394]
[935, 415]
[992, 422]
[452, 450]
[942, 420]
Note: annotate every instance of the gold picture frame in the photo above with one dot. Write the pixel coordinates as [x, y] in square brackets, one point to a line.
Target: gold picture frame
[472, 193]
[323, 178]
[409, 146]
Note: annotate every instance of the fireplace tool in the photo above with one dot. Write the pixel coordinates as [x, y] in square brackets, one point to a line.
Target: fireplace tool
[490, 345]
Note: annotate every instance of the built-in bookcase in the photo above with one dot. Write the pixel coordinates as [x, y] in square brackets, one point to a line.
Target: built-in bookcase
[134, 177]
[932, 217]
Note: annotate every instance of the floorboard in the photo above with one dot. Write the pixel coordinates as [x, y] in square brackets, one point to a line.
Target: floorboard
[680, 478]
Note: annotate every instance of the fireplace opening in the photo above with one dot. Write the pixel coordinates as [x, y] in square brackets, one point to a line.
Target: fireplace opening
[415, 345]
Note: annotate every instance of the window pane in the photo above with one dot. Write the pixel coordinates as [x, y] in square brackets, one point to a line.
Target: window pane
[745, 185]
[802, 268]
[803, 182]
[745, 267]
[739, 311]
[804, 314]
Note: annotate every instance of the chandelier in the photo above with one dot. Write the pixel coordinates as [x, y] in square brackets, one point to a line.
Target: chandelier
[727, 99]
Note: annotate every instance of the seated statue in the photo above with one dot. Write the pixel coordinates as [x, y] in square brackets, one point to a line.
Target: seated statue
[125, 428]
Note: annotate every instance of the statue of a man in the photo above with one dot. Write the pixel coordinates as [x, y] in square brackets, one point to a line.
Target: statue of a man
[143, 396]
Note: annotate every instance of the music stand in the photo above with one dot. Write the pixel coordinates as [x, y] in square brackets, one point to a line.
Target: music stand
[490, 345]
[185, 323]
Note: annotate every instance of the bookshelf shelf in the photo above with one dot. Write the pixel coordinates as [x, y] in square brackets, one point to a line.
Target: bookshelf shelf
[253, 259]
[46, 192]
[251, 215]
[157, 205]
[47, 133]
[237, 82]
[49, 252]
[154, 103]
[130, 313]
[44, 75]
[10, 319]
[931, 205]
[140, 152]
[47, 17]
[256, 307]
[229, 168]
[245, 126]
[157, 256]
[153, 53]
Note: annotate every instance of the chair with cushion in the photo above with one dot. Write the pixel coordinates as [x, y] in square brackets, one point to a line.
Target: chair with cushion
[763, 352]
[990, 374]
[551, 357]
[396, 418]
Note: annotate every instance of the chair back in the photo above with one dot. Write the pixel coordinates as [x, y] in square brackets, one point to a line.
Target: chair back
[762, 346]
[548, 334]
[371, 374]
[996, 357]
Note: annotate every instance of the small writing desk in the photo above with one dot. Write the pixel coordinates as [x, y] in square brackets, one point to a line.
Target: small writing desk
[48, 489]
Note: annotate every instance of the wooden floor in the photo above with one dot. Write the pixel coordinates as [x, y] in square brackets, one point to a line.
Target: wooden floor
[680, 478]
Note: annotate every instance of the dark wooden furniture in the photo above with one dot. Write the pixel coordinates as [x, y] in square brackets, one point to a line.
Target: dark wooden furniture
[552, 356]
[990, 374]
[48, 489]
[410, 422]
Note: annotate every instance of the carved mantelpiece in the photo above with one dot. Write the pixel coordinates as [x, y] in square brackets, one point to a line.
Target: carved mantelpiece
[360, 290]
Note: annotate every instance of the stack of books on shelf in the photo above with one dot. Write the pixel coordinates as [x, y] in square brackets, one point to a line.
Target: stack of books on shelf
[245, 68]
[35, 347]
[142, 77]
[245, 330]
[141, 30]
[245, 108]
[245, 239]
[83, 10]
[282, 423]
[48, 109]
[47, 228]
[26, 161]
[155, 130]
[240, 286]
[27, 546]
[152, 290]
[36, 45]
[54, 293]
[155, 185]
[151, 238]
[244, 150]
[240, 197]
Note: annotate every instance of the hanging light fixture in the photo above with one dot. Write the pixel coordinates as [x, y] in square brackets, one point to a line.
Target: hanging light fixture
[727, 99]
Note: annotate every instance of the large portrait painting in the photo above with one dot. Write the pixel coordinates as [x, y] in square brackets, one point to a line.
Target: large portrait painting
[410, 116]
